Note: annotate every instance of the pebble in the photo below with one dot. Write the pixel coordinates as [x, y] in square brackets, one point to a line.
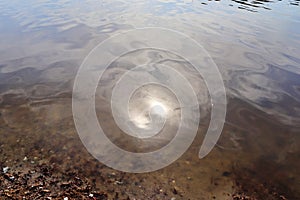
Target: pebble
[66, 198]
[118, 182]
[187, 162]
[45, 190]
[11, 178]
[25, 158]
[226, 173]
[5, 169]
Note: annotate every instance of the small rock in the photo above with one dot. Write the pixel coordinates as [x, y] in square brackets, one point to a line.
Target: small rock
[46, 191]
[65, 184]
[118, 182]
[25, 158]
[226, 173]
[5, 169]
[11, 178]
[175, 191]
[66, 198]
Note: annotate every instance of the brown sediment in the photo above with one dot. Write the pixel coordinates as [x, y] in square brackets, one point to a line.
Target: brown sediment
[254, 185]
[41, 181]
[47, 160]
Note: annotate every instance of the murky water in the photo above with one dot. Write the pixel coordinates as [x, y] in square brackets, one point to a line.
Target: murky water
[255, 44]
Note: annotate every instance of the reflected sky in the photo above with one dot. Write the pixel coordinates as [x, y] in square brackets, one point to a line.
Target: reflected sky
[40, 37]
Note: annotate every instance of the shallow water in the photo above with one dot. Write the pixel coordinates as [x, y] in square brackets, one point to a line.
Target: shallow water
[255, 44]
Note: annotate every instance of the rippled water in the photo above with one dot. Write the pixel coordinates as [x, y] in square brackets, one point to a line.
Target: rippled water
[255, 44]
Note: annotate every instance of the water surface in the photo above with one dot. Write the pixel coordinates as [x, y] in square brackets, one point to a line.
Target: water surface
[255, 44]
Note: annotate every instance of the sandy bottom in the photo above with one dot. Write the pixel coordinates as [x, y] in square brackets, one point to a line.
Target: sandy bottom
[42, 157]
